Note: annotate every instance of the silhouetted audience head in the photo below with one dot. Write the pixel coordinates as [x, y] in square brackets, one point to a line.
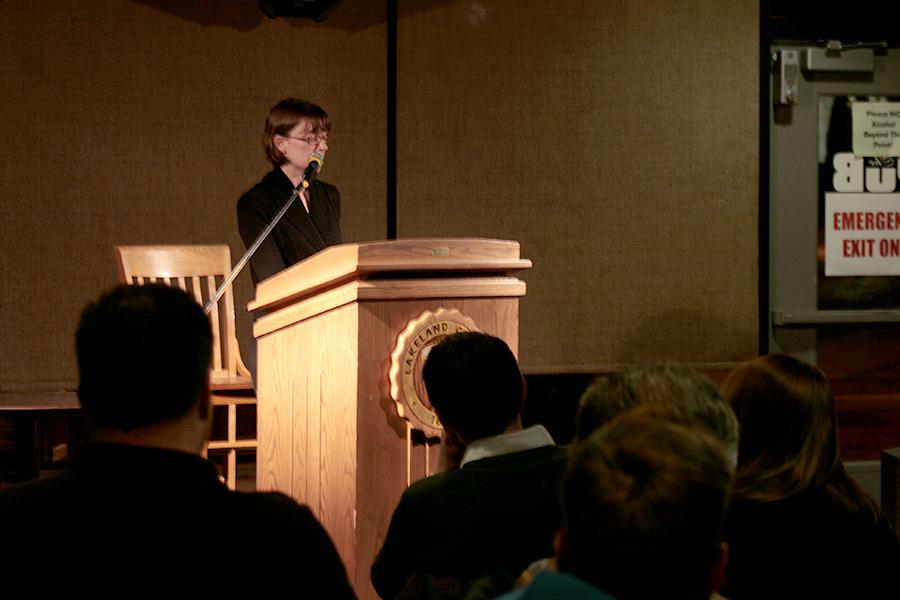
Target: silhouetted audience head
[644, 503]
[680, 390]
[474, 384]
[789, 433]
[143, 356]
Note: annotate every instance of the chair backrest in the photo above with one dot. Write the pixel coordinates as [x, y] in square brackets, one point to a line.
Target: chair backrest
[198, 270]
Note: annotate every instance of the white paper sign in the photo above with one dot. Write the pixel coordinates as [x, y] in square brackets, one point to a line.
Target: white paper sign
[862, 234]
[876, 128]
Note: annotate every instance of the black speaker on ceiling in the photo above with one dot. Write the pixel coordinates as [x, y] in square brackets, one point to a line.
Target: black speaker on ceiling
[317, 10]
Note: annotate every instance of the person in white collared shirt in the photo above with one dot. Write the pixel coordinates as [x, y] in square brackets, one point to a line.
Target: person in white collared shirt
[497, 511]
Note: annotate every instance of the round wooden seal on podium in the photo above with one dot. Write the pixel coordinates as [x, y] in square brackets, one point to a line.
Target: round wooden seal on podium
[409, 355]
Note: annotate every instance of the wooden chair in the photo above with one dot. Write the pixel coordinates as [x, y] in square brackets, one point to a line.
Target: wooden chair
[199, 270]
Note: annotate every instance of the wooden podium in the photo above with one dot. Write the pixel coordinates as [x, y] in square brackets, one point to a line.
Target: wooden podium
[330, 429]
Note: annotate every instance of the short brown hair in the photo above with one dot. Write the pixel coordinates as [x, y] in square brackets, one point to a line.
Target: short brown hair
[644, 505]
[286, 115]
[680, 389]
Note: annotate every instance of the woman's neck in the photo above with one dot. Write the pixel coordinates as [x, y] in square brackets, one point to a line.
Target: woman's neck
[292, 173]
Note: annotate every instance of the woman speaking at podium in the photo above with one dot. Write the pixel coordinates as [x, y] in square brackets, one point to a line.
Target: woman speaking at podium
[296, 134]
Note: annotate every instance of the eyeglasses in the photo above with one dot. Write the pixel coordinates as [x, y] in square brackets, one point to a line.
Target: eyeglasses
[312, 141]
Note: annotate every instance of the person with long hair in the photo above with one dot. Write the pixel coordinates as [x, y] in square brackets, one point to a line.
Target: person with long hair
[799, 525]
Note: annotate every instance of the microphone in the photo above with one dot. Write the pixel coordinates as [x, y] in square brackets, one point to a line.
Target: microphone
[312, 169]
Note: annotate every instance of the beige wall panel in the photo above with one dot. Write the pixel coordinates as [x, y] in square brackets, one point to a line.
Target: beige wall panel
[134, 122]
[618, 141]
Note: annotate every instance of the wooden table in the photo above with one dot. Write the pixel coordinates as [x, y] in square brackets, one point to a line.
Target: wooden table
[26, 410]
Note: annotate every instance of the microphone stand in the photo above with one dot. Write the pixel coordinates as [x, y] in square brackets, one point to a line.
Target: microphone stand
[239, 266]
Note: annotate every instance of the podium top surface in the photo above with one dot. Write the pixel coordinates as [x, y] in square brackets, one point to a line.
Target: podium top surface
[407, 257]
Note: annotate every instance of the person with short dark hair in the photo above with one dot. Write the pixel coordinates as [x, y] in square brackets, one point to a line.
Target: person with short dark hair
[679, 389]
[799, 525]
[474, 399]
[644, 503]
[139, 503]
[499, 510]
[141, 330]
[295, 130]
